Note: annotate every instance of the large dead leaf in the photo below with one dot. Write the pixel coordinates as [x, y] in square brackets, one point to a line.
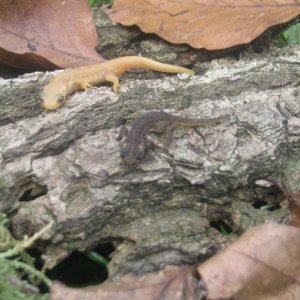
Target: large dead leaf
[293, 199]
[210, 24]
[262, 264]
[39, 34]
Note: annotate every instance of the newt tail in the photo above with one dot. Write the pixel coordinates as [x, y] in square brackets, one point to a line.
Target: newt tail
[81, 78]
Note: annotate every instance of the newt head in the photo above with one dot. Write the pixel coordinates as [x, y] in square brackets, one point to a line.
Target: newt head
[132, 153]
[52, 97]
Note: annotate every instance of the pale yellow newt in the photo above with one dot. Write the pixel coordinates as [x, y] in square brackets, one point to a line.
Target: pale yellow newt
[72, 80]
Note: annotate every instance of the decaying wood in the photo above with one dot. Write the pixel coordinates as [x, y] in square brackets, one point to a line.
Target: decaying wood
[67, 162]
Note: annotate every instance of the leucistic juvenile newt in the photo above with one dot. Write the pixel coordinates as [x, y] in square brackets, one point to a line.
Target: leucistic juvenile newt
[81, 78]
[136, 143]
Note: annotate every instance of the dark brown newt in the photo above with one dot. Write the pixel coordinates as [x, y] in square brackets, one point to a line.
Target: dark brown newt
[136, 143]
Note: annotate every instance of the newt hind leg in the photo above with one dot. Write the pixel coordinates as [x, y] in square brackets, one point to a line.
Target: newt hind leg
[114, 80]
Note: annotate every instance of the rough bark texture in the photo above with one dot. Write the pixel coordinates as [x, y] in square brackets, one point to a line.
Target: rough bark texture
[65, 165]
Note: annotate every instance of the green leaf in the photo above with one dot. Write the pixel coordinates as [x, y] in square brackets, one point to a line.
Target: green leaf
[223, 230]
[292, 35]
[100, 2]
[289, 36]
[268, 206]
[97, 258]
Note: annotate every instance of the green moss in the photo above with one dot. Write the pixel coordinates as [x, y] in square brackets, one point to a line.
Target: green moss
[12, 287]
[14, 260]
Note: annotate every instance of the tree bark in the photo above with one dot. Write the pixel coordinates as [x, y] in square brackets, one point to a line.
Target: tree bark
[65, 165]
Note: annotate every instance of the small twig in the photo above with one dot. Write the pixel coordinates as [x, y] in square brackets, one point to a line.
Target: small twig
[28, 243]
[22, 245]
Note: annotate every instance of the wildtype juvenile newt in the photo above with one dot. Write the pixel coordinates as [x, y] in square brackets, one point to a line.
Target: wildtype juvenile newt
[136, 143]
[81, 78]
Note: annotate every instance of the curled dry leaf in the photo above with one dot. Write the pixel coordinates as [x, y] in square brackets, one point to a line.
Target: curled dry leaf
[294, 203]
[293, 199]
[171, 283]
[210, 24]
[43, 34]
[294, 206]
[263, 264]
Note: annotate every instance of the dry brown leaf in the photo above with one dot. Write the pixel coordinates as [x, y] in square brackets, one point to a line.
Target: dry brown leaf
[39, 34]
[294, 206]
[263, 264]
[210, 24]
[294, 202]
[293, 199]
[171, 283]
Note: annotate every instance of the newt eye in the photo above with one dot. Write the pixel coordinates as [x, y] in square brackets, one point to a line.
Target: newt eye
[60, 99]
[140, 151]
[140, 154]
[123, 152]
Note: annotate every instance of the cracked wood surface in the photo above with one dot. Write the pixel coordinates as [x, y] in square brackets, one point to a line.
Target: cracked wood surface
[67, 162]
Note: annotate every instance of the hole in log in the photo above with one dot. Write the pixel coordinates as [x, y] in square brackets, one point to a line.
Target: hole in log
[221, 226]
[260, 204]
[83, 269]
[29, 189]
